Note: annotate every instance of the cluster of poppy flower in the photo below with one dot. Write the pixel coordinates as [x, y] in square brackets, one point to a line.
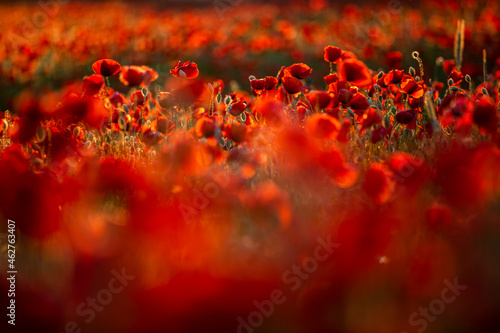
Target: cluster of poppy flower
[214, 197]
[57, 49]
[207, 197]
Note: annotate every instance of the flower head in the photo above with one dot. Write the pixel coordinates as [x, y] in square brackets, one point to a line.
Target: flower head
[106, 67]
[187, 70]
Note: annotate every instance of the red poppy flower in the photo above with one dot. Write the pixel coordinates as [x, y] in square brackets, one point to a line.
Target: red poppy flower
[106, 67]
[30, 116]
[378, 183]
[344, 130]
[92, 84]
[340, 172]
[137, 97]
[319, 99]
[187, 70]
[438, 217]
[345, 96]
[235, 131]
[333, 54]
[164, 125]
[394, 77]
[218, 87]
[270, 112]
[355, 72]
[322, 126]
[408, 170]
[379, 133]
[459, 112]
[237, 108]
[205, 127]
[411, 87]
[405, 117]
[166, 99]
[292, 85]
[448, 66]
[300, 71]
[485, 116]
[438, 86]
[359, 103]
[331, 78]
[195, 91]
[133, 76]
[394, 59]
[117, 98]
[370, 118]
[258, 84]
[456, 76]
[270, 83]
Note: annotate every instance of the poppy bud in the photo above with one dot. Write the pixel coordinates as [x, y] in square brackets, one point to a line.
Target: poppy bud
[387, 121]
[412, 71]
[243, 117]
[5, 125]
[41, 134]
[379, 105]
[467, 78]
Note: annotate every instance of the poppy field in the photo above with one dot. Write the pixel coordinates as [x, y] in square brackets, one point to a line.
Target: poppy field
[250, 167]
